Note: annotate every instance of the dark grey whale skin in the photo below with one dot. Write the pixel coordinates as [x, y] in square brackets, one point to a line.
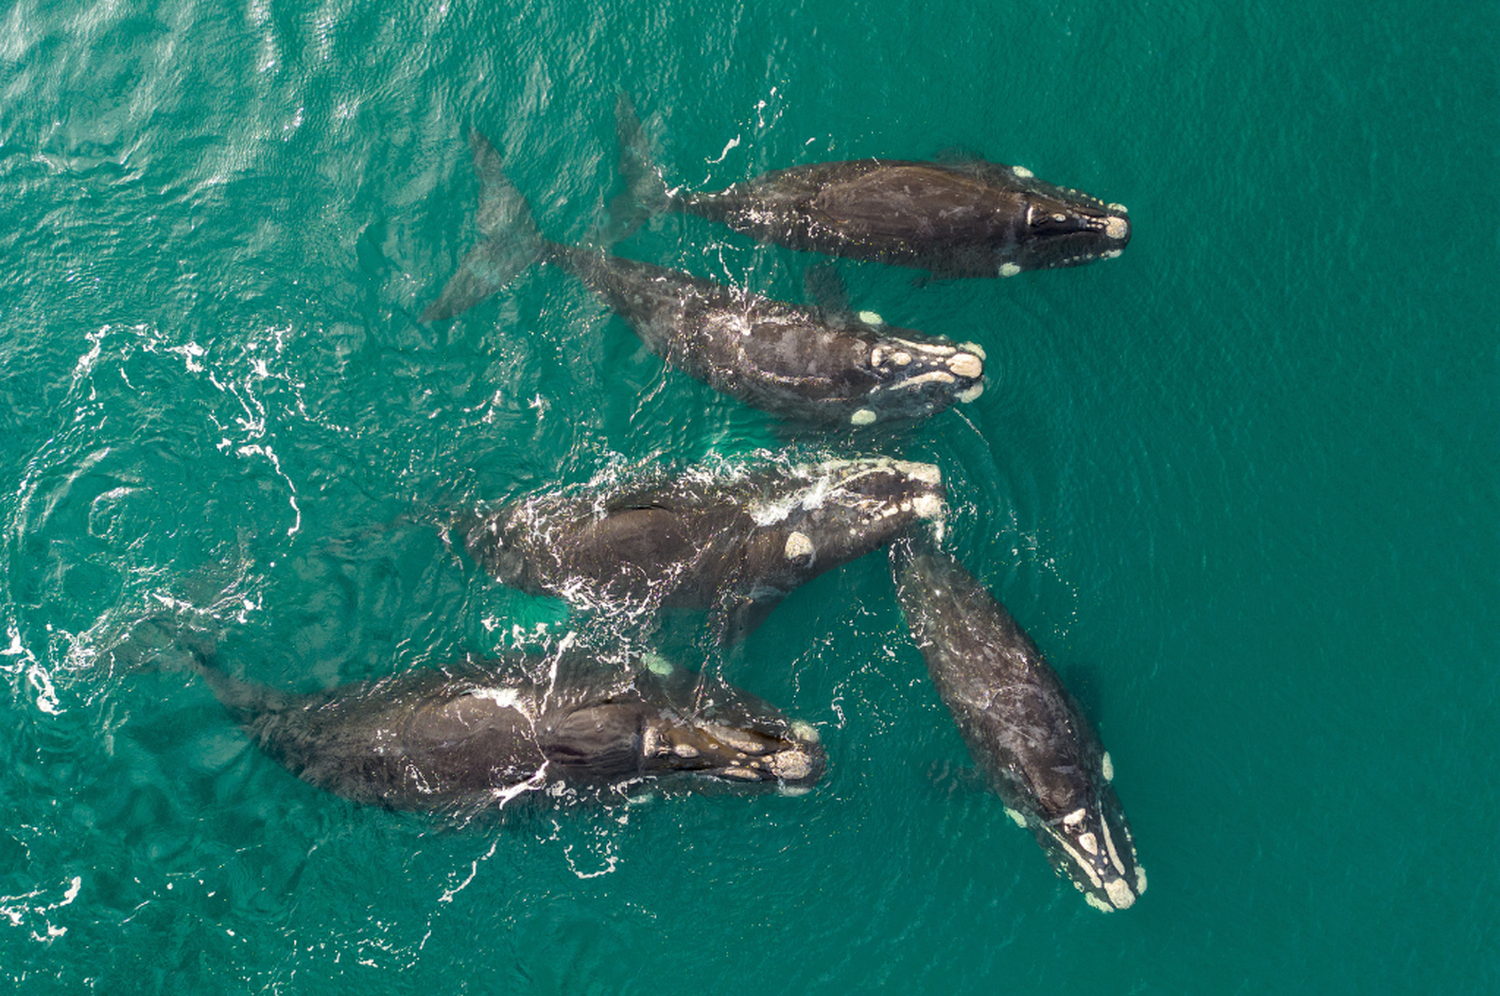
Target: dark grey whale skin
[734, 543]
[967, 219]
[1039, 752]
[800, 363]
[471, 737]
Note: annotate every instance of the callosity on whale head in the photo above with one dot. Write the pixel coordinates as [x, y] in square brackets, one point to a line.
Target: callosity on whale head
[736, 541]
[1026, 731]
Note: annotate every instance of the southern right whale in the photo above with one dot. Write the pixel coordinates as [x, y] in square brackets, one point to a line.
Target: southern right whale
[735, 542]
[955, 219]
[475, 735]
[807, 363]
[1038, 750]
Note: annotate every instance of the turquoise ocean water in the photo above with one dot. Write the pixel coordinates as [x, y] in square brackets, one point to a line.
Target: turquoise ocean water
[1240, 485]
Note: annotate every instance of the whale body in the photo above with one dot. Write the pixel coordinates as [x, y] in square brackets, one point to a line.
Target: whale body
[1038, 751]
[811, 364]
[955, 219]
[478, 734]
[735, 542]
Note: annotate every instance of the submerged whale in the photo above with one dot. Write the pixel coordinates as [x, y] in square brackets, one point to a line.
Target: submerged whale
[734, 543]
[474, 736]
[812, 364]
[1040, 754]
[959, 219]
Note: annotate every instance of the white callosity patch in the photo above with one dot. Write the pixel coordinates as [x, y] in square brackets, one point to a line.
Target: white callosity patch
[799, 547]
[1116, 228]
[931, 377]
[863, 417]
[966, 364]
[1120, 894]
[804, 730]
[1075, 817]
[1107, 768]
[1009, 269]
[1022, 172]
[1088, 842]
[1112, 254]
[871, 318]
[972, 394]
[1019, 820]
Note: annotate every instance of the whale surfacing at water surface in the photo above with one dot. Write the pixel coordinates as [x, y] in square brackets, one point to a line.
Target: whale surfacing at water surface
[813, 364]
[474, 736]
[1038, 750]
[955, 219]
[735, 542]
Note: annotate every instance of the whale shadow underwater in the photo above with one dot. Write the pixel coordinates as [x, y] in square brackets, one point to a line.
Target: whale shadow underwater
[1038, 751]
[817, 365]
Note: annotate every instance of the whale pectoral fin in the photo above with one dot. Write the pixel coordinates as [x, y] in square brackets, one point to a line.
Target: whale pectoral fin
[742, 615]
[826, 288]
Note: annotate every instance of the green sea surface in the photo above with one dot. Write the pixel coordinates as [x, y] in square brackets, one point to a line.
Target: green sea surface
[1242, 485]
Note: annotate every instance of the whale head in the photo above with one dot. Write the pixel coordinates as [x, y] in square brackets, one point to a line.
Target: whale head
[669, 721]
[820, 516]
[918, 375]
[1064, 227]
[1091, 845]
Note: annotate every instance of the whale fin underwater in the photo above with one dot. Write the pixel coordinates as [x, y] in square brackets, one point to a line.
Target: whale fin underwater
[474, 736]
[954, 219]
[795, 362]
[1036, 747]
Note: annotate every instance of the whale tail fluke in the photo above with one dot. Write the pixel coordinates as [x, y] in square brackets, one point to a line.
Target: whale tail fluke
[511, 239]
[645, 192]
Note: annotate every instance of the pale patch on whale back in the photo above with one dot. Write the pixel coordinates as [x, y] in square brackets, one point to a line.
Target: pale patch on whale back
[1009, 269]
[1116, 228]
[1107, 768]
[798, 547]
[657, 664]
[863, 417]
[871, 318]
[1022, 172]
